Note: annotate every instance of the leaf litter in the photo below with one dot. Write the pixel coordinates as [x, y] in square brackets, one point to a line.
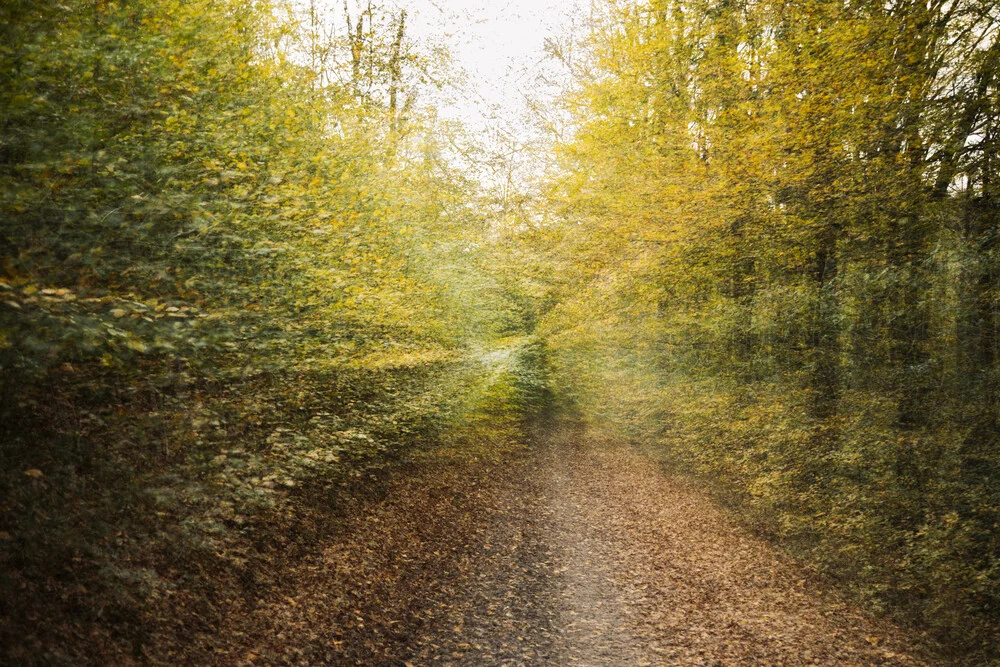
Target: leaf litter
[580, 552]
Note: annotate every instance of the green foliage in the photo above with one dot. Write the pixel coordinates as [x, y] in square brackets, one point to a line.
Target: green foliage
[236, 282]
[773, 254]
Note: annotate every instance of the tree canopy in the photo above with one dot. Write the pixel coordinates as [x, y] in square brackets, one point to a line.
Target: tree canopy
[774, 246]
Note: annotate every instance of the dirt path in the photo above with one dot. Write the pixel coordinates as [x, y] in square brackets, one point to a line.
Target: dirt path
[575, 554]
[685, 584]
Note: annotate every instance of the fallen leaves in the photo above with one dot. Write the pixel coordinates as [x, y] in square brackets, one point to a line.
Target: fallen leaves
[569, 555]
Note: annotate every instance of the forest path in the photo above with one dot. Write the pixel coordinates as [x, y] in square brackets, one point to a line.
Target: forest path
[688, 585]
[579, 553]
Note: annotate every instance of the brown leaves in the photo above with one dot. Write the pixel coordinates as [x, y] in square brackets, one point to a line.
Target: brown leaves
[656, 568]
[573, 555]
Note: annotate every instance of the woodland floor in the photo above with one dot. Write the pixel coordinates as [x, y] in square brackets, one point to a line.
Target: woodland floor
[576, 553]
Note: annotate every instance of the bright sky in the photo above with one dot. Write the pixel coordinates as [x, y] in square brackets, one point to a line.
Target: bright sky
[499, 44]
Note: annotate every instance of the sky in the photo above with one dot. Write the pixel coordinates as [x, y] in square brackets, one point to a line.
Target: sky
[500, 46]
